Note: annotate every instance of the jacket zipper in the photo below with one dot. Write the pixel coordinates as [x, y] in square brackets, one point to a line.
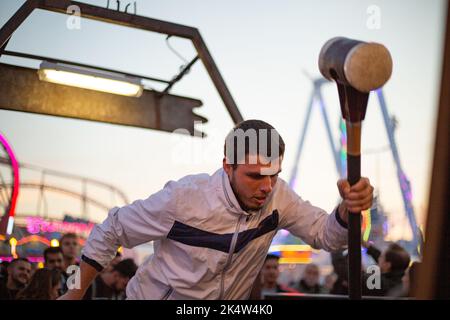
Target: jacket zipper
[168, 293]
[230, 256]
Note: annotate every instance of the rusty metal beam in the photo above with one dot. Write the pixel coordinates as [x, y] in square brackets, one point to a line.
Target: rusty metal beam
[16, 20]
[216, 77]
[119, 18]
[21, 90]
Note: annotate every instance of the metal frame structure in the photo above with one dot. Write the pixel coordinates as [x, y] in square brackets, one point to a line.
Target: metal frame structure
[44, 186]
[404, 183]
[7, 221]
[133, 21]
[154, 110]
[316, 94]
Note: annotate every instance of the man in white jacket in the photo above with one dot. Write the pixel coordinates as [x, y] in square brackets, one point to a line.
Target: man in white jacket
[211, 233]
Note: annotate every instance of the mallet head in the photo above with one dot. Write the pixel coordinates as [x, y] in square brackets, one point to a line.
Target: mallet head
[365, 66]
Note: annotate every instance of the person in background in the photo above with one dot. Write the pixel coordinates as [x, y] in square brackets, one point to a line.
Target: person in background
[339, 260]
[34, 267]
[4, 270]
[256, 293]
[330, 280]
[410, 279]
[409, 283]
[309, 283]
[111, 285]
[44, 285]
[393, 263]
[270, 273]
[70, 249]
[54, 260]
[19, 271]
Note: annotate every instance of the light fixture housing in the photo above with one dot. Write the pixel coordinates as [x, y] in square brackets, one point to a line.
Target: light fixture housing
[91, 79]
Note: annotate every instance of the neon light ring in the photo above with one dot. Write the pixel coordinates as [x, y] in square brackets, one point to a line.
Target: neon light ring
[8, 200]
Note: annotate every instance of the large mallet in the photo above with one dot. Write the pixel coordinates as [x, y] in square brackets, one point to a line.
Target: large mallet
[357, 67]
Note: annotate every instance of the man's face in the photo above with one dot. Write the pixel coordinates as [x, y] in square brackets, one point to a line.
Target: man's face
[54, 261]
[329, 281]
[69, 247]
[383, 264]
[270, 271]
[20, 272]
[311, 276]
[253, 181]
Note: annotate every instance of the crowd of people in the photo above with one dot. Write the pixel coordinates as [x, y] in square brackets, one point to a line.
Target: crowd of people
[22, 280]
[397, 275]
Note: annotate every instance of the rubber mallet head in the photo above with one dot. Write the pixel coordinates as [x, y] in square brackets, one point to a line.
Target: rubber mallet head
[365, 66]
[357, 67]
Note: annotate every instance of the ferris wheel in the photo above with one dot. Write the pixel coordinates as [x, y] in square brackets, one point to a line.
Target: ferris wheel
[9, 186]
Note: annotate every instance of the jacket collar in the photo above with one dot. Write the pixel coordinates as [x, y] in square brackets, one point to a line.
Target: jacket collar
[231, 201]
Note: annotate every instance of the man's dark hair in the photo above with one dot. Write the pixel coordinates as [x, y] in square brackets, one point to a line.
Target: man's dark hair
[398, 257]
[70, 235]
[127, 268]
[52, 250]
[17, 260]
[14, 261]
[270, 138]
[271, 256]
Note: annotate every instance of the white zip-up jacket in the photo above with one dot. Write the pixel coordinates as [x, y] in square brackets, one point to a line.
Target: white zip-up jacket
[205, 245]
